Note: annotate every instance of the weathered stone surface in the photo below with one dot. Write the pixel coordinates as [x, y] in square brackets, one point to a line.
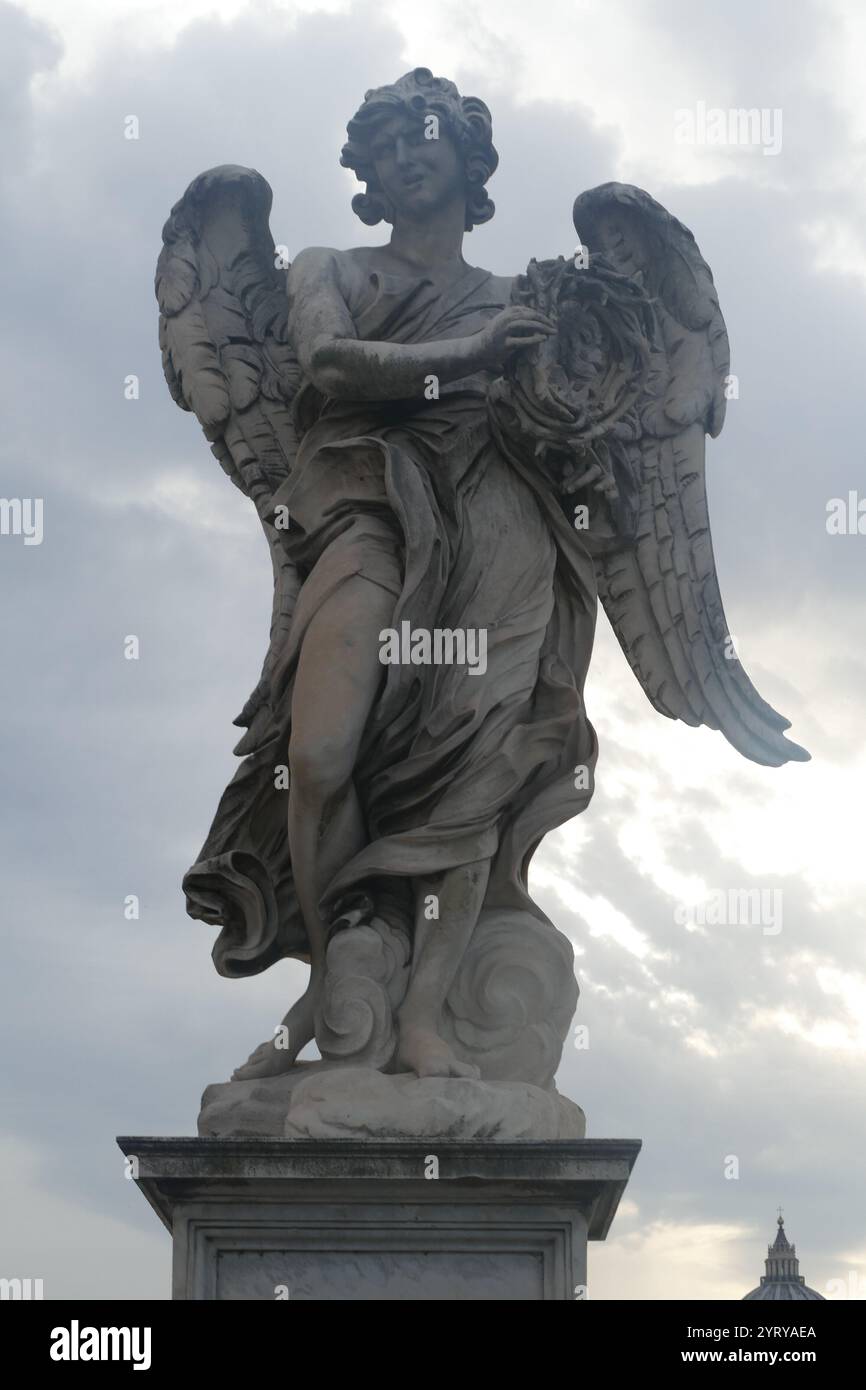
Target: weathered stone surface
[398, 1221]
[334, 1102]
[337, 1104]
[372, 1275]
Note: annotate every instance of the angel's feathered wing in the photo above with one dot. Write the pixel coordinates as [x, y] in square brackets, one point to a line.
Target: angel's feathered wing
[226, 357]
[661, 591]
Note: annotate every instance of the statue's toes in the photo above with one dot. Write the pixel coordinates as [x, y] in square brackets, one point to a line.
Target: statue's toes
[259, 1063]
[444, 1063]
[465, 1069]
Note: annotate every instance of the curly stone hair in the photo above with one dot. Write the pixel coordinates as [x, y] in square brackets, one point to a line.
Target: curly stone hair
[419, 93]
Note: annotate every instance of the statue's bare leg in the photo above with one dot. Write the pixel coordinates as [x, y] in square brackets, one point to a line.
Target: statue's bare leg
[438, 949]
[336, 683]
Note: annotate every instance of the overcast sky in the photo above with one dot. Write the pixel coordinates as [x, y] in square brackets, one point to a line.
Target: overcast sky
[705, 1042]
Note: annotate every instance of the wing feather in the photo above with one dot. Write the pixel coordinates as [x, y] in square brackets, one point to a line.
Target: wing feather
[661, 590]
[227, 358]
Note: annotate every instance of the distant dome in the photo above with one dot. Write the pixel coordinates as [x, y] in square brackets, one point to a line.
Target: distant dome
[783, 1279]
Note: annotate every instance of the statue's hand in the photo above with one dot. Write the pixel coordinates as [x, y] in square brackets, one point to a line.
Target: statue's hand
[594, 475]
[510, 331]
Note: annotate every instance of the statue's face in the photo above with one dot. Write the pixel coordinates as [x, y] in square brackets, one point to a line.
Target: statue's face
[416, 173]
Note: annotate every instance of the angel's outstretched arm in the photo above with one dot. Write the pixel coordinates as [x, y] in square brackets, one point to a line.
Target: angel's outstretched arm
[340, 364]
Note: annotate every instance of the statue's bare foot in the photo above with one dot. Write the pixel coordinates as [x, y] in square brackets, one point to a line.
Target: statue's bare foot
[279, 1053]
[422, 1050]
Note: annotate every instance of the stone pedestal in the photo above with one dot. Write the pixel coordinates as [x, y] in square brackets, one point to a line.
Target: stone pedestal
[344, 1219]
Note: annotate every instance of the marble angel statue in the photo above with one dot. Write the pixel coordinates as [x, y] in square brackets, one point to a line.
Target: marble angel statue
[433, 449]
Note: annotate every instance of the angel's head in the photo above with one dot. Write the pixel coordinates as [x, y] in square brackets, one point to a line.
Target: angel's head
[416, 144]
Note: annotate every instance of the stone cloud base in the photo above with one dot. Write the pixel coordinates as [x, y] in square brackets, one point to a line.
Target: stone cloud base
[277, 1219]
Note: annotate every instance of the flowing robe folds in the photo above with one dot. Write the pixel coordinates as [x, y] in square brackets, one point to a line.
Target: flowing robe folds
[456, 764]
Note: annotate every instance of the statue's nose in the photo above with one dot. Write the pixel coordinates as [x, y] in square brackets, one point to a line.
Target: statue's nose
[404, 154]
